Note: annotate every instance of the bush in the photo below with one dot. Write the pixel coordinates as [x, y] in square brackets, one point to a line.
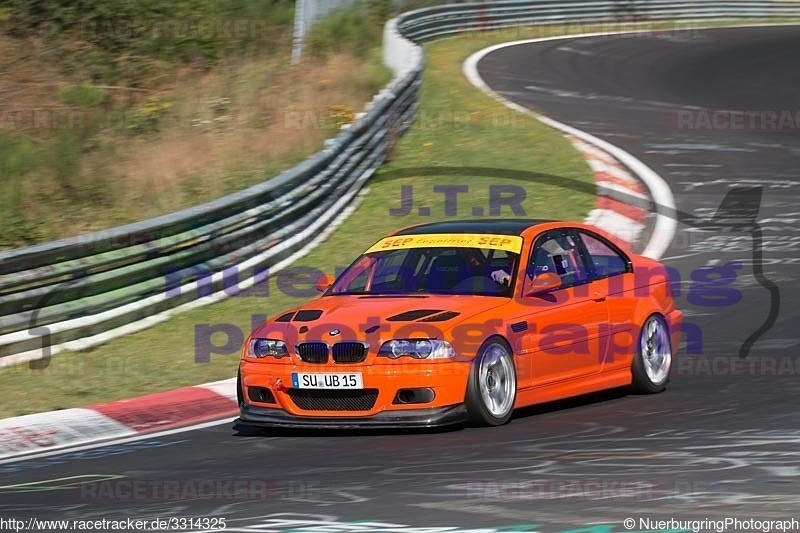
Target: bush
[174, 31]
[84, 95]
[147, 117]
[18, 156]
[357, 28]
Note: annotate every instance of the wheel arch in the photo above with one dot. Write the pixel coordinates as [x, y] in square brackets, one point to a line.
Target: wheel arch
[501, 337]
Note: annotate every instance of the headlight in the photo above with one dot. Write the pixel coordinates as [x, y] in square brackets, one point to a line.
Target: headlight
[267, 348]
[416, 348]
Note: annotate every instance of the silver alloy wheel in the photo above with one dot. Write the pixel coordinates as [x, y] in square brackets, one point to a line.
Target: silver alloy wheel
[496, 381]
[655, 349]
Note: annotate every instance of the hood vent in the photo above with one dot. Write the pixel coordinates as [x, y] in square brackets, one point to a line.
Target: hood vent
[408, 316]
[441, 317]
[285, 317]
[308, 315]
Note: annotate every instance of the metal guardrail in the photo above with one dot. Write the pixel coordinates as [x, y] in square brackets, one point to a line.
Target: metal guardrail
[86, 286]
[424, 24]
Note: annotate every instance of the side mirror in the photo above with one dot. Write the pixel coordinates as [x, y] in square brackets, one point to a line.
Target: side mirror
[324, 283]
[544, 282]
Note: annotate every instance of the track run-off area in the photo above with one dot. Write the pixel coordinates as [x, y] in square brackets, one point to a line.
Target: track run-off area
[707, 110]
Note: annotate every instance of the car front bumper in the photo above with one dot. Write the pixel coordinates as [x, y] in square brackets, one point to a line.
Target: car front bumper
[447, 382]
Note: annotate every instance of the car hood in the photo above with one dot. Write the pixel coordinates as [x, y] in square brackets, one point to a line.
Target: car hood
[350, 318]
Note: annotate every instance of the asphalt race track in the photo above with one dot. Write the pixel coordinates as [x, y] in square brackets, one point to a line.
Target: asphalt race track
[723, 442]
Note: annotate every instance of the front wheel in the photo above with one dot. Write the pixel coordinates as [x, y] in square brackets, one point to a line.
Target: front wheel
[492, 386]
[653, 358]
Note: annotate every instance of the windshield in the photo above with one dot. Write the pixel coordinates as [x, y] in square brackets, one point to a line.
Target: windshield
[435, 270]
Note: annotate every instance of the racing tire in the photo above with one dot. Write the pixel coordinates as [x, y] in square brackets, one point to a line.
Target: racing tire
[652, 361]
[492, 384]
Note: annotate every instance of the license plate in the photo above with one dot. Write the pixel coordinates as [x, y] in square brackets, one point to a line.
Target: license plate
[327, 380]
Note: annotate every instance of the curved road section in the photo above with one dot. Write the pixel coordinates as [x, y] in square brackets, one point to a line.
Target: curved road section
[721, 443]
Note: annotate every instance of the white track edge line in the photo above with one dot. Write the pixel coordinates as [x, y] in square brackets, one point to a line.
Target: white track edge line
[665, 225]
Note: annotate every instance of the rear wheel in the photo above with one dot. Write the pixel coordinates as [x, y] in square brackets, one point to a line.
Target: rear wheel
[492, 386]
[653, 359]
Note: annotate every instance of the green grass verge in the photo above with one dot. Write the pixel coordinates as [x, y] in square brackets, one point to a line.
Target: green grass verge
[457, 126]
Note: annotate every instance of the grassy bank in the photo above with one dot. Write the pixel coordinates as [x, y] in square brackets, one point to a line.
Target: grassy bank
[98, 128]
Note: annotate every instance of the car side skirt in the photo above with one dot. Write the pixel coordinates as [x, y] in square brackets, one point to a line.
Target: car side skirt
[573, 387]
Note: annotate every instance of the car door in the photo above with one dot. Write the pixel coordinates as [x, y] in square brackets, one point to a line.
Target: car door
[565, 326]
[612, 275]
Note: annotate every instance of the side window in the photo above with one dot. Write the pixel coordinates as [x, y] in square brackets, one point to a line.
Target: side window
[557, 252]
[606, 261]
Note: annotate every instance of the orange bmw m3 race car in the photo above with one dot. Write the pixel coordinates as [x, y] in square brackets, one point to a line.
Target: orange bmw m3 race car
[463, 321]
